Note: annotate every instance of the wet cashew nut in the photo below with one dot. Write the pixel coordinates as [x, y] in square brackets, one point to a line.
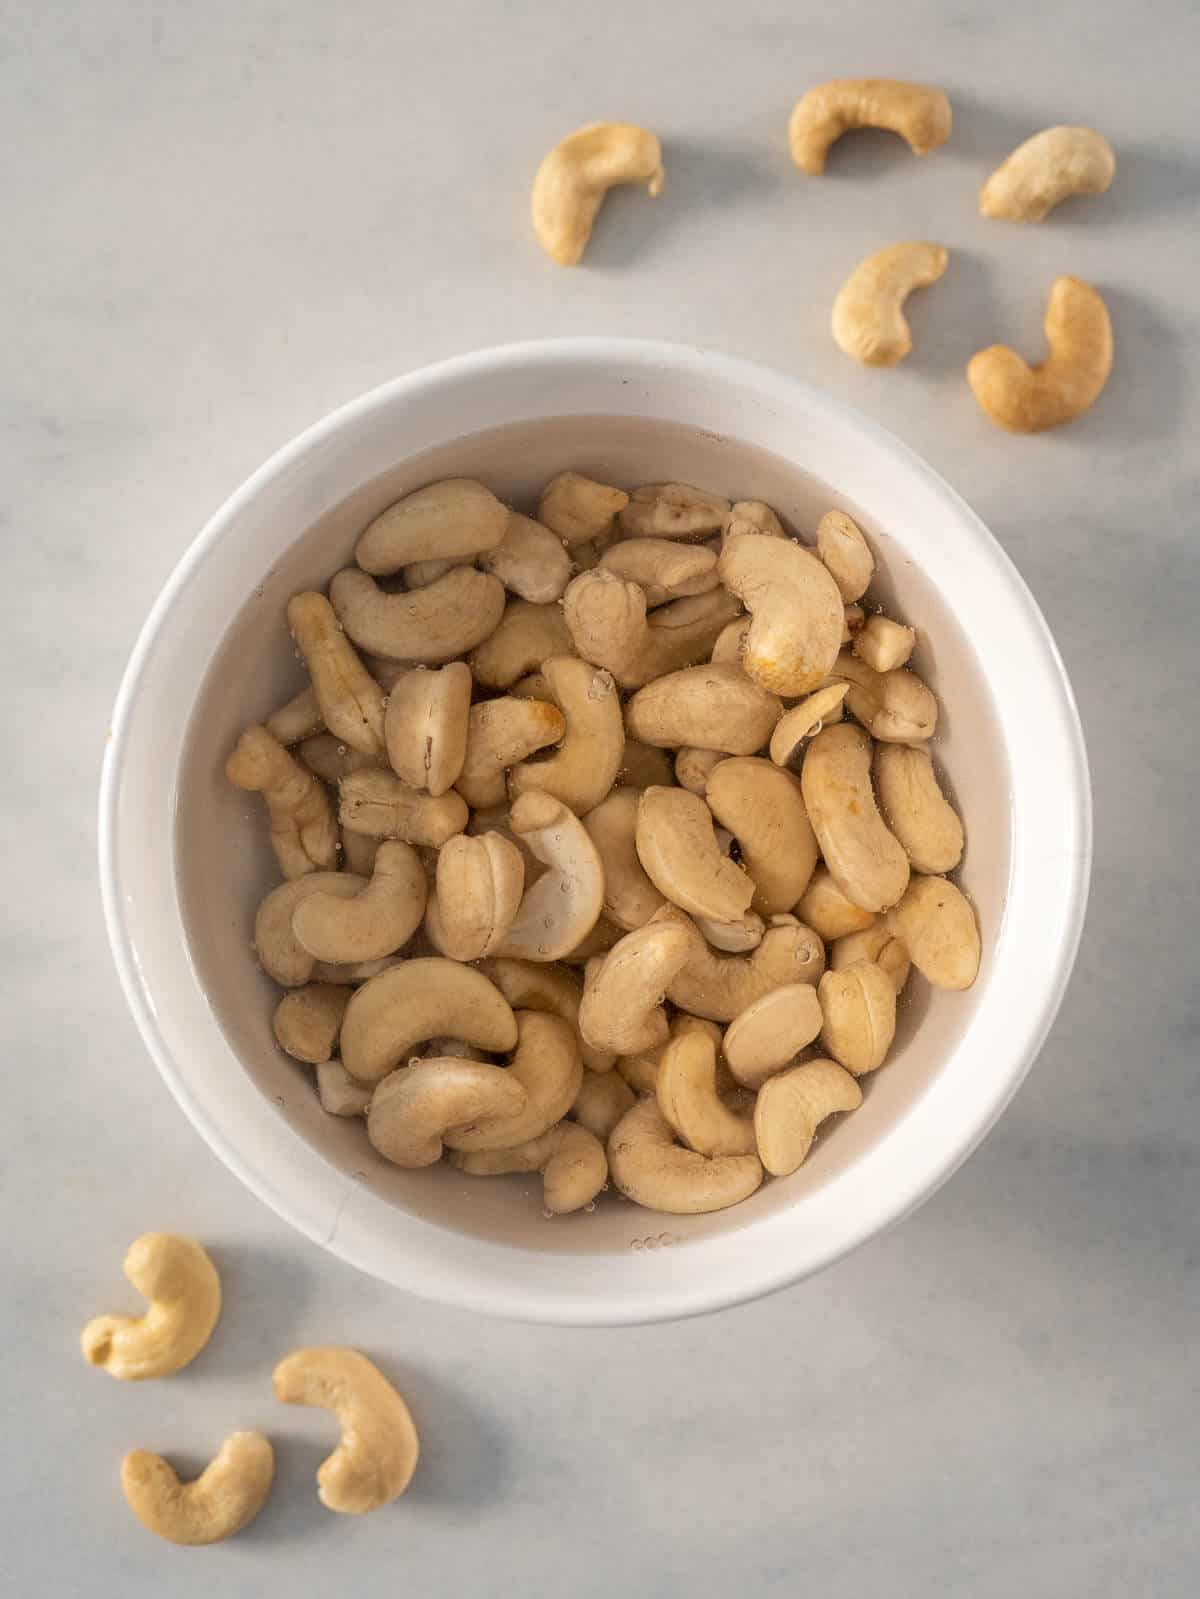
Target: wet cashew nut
[525, 636]
[876, 943]
[735, 938]
[673, 511]
[858, 1007]
[707, 707]
[884, 645]
[896, 706]
[602, 1100]
[752, 516]
[339, 1094]
[796, 630]
[376, 922]
[649, 1167]
[868, 319]
[575, 177]
[578, 508]
[478, 894]
[533, 985]
[547, 1065]
[916, 810]
[1046, 170]
[303, 832]
[351, 700]
[663, 569]
[181, 1283]
[865, 859]
[794, 728]
[1068, 382]
[383, 806]
[936, 924]
[307, 1021]
[678, 848]
[693, 766]
[763, 807]
[791, 1106]
[415, 1001]
[606, 615]
[280, 953]
[529, 561]
[630, 898]
[425, 726]
[622, 1009]
[562, 907]
[827, 910]
[585, 766]
[920, 115]
[686, 1090]
[570, 1159]
[415, 1108]
[500, 734]
[224, 1498]
[377, 1456]
[768, 1035]
[430, 625]
[443, 521]
[846, 554]
[719, 987]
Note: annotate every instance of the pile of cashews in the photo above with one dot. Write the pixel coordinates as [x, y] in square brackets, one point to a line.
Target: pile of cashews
[868, 320]
[587, 871]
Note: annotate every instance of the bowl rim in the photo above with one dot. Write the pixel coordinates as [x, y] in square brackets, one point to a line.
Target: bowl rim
[529, 1297]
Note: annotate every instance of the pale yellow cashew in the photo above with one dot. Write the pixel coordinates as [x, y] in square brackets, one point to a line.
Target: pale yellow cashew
[478, 894]
[307, 1021]
[822, 708]
[562, 907]
[184, 1291]
[1046, 170]
[425, 726]
[377, 1456]
[585, 766]
[686, 1089]
[827, 910]
[920, 115]
[299, 718]
[673, 511]
[917, 811]
[649, 1167]
[735, 938]
[525, 636]
[529, 560]
[419, 1000]
[224, 1498]
[763, 807]
[622, 1007]
[383, 806]
[877, 943]
[662, 568]
[718, 987]
[858, 1007]
[1025, 399]
[431, 625]
[847, 555]
[573, 180]
[280, 953]
[416, 1107]
[374, 923]
[630, 898]
[338, 1092]
[884, 645]
[547, 1065]
[420, 574]
[606, 615]
[602, 1100]
[351, 700]
[896, 706]
[678, 848]
[443, 521]
[303, 831]
[578, 508]
[791, 1106]
[865, 859]
[535, 985]
[936, 924]
[707, 707]
[868, 319]
[770, 1033]
[796, 630]
[500, 734]
[570, 1159]
[752, 516]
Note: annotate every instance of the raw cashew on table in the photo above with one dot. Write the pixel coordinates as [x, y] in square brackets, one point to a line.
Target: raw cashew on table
[920, 115]
[224, 1498]
[1046, 170]
[1025, 399]
[181, 1283]
[573, 180]
[868, 314]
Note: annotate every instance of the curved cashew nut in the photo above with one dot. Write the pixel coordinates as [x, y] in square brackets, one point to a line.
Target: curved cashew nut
[377, 1456]
[648, 1166]
[425, 726]
[417, 1000]
[920, 115]
[768, 1035]
[884, 645]
[374, 923]
[548, 1067]
[1046, 170]
[578, 508]
[280, 953]
[686, 1090]
[763, 807]
[478, 894]
[630, 898]
[562, 907]
[570, 1158]
[827, 910]
[299, 718]
[719, 987]
[533, 985]
[673, 511]
[525, 636]
[500, 734]
[330, 760]
[414, 1109]
[936, 924]
[752, 516]
[339, 1094]
[351, 700]
[383, 806]
[420, 574]
[735, 938]
[877, 943]
[865, 859]
[895, 707]
[709, 707]
[606, 615]
[574, 178]
[640, 1072]
[642, 766]
[184, 1291]
[868, 314]
[224, 1498]
[602, 1100]
[678, 847]
[917, 811]
[307, 1021]
[858, 1007]
[622, 1004]
[443, 521]
[791, 1106]
[663, 569]
[585, 766]
[794, 728]
[730, 645]
[303, 832]
[430, 625]
[796, 630]
[846, 554]
[1068, 382]
[529, 561]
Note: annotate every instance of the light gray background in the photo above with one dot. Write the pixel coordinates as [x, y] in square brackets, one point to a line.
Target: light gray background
[222, 219]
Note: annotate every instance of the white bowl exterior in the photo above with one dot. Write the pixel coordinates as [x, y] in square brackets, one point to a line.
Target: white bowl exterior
[1011, 742]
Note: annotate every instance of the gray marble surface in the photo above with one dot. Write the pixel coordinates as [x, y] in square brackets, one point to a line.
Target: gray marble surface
[220, 221]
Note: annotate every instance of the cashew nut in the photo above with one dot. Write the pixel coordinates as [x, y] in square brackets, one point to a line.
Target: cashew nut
[525, 636]
[884, 645]
[578, 508]
[686, 1090]
[415, 1107]
[574, 178]
[763, 807]
[622, 1008]
[770, 1033]
[585, 766]
[876, 943]
[648, 1166]
[719, 987]
[1046, 170]
[420, 574]
[791, 1106]
[224, 1498]
[920, 115]
[377, 1456]
[731, 642]
[640, 1072]
[416, 1000]
[280, 954]
[917, 811]
[827, 910]
[642, 766]
[630, 898]
[561, 908]
[329, 759]
[308, 1020]
[664, 570]
[303, 833]
[678, 848]
[570, 1158]
[375, 922]
[339, 1094]
[709, 707]
[846, 554]
[500, 734]
[607, 619]
[383, 806]
[752, 516]
[439, 522]
[896, 706]
[299, 718]
[693, 766]
[1068, 382]
[351, 700]
[796, 630]
[866, 860]
[478, 893]
[430, 625]
[858, 1006]
[868, 320]
[673, 511]
[794, 728]
[735, 938]
[548, 1067]
[533, 985]
[936, 924]
[602, 1100]
[426, 726]
[184, 1291]
[529, 561]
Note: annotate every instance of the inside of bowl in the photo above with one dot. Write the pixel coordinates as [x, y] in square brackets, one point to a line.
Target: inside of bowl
[224, 864]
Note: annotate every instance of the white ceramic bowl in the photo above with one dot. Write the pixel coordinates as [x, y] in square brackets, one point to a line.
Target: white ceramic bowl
[184, 859]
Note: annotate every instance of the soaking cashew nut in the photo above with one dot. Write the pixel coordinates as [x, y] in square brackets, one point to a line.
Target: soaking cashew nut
[673, 511]
[920, 115]
[770, 1033]
[329, 759]
[622, 1009]
[500, 734]
[375, 922]
[307, 1021]
[868, 320]
[846, 554]
[686, 1089]
[416, 1107]
[300, 718]
[303, 832]
[443, 521]
[478, 894]
[338, 1092]
[529, 561]
[525, 636]
[663, 569]
[864, 858]
[917, 811]
[936, 924]
[679, 850]
[630, 898]
[585, 765]
[794, 728]
[181, 1283]
[763, 807]
[425, 726]
[709, 707]
[382, 805]
[562, 907]
[570, 1159]
[606, 615]
[649, 1167]
[796, 630]
[894, 706]
[718, 987]
[224, 1498]
[1046, 170]
[547, 1065]
[578, 508]
[430, 625]
[858, 1008]
[791, 1106]
[884, 645]
[280, 953]
[575, 177]
[417, 1000]
[351, 700]
[876, 943]
[1068, 382]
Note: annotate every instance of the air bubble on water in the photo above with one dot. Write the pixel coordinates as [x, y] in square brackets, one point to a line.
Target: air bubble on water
[548, 922]
[543, 949]
[816, 727]
[564, 888]
[635, 1243]
[343, 749]
[590, 1206]
[279, 1100]
[604, 1188]
[414, 1060]
[547, 1215]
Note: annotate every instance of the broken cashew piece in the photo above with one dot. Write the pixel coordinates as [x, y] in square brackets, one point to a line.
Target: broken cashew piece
[303, 832]
[425, 726]
[791, 1106]
[847, 556]
[876, 943]
[500, 734]
[763, 807]
[377, 1456]
[547, 1065]
[827, 910]
[858, 1007]
[563, 906]
[383, 806]
[630, 898]
[569, 1157]
[664, 569]
[430, 625]
[416, 1107]
[865, 859]
[224, 1498]
[920, 115]
[1025, 399]
[1046, 170]
[649, 1167]
[307, 1021]
[339, 1094]
[578, 508]
[478, 893]
[804, 721]
[374, 923]
[884, 645]
[418, 1000]
[673, 511]
[707, 707]
[280, 953]
[686, 1089]
[573, 180]
[529, 561]
[868, 320]
[770, 1033]
[622, 1009]
[606, 615]
[585, 766]
[896, 707]
[752, 516]
[796, 630]
[181, 1283]
[935, 922]
[351, 700]
[917, 811]
[677, 846]
[441, 522]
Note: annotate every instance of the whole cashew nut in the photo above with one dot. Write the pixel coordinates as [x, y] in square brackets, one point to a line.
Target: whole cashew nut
[763, 807]
[525, 636]
[794, 728]
[876, 943]
[570, 1158]
[1068, 382]
[224, 1498]
[827, 910]
[936, 924]
[534, 985]
[896, 707]
[630, 898]
[917, 811]
[791, 1106]
[1046, 170]
[425, 726]
[478, 894]
[578, 508]
[307, 1021]
[585, 766]
[443, 521]
[529, 561]
[417, 1000]
[303, 833]
[858, 1006]
[796, 630]
[868, 319]
[548, 1067]
[429, 625]
[500, 734]
[562, 907]
[673, 511]
[606, 615]
[719, 987]
[383, 806]
[865, 859]
[602, 1100]
[420, 574]
[686, 1090]
[752, 516]
[678, 848]
[351, 700]
[574, 178]
[770, 1033]
[622, 1007]
[884, 645]
[920, 115]
[708, 707]
[663, 569]
[846, 554]
[648, 1166]
[299, 718]
[415, 1108]
[181, 1283]
[280, 953]
[376, 922]
[377, 1456]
